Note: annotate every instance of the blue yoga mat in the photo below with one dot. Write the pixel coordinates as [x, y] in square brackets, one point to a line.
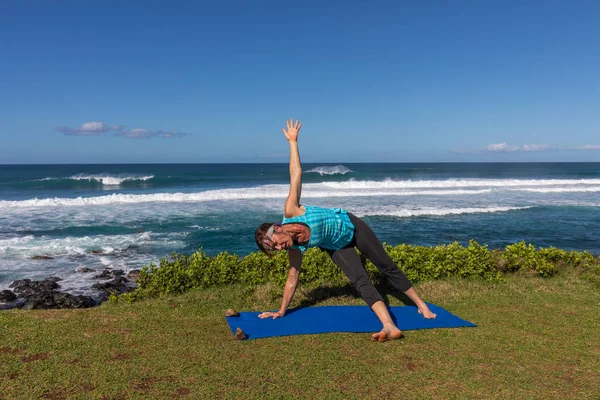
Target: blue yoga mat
[328, 319]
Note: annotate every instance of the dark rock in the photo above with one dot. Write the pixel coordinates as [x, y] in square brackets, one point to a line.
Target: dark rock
[109, 273]
[29, 294]
[40, 300]
[133, 275]
[19, 282]
[117, 285]
[103, 275]
[27, 287]
[30, 305]
[84, 270]
[43, 295]
[11, 305]
[7, 295]
[66, 300]
[95, 251]
[42, 258]
[53, 299]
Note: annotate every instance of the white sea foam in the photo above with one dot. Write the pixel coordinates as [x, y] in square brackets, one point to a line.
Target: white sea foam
[560, 190]
[205, 228]
[62, 255]
[265, 192]
[439, 211]
[105, 261]
[351, 188]
[178, 234]
[104, 179]
[30, 246]
[145, 236]
[330, 170]
[6, 244]
[15, 240]
[112, 180]
[457, 183]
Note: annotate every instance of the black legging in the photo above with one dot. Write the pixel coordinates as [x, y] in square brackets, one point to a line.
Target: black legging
[349, 261]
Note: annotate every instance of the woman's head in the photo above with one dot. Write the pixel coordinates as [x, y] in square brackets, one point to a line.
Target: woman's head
[264, 237]
[270, 238]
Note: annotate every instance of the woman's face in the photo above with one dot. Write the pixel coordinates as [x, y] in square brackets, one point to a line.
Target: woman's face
[280, 239]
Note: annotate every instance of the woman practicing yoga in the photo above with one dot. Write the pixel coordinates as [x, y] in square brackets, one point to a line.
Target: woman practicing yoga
[337, 232]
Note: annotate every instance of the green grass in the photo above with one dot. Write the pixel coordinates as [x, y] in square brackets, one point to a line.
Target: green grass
[536, 339]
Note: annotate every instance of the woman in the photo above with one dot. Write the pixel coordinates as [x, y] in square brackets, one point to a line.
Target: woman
[337, 232]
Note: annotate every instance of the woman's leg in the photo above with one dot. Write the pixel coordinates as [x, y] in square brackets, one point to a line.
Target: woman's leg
[368, 244]
[349, 262]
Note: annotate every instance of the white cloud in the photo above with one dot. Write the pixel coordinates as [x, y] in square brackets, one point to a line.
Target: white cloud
[506, 148]
[90, 129]
[100, 128]
[139, 133]
[169, 135]
[463, 151]
[587, 147]
[501, 147]
[536, 147]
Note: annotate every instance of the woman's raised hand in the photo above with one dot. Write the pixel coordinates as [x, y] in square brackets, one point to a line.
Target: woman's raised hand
[292, 130]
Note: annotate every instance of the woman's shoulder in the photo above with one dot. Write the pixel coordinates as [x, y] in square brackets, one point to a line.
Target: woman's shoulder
[298, 212]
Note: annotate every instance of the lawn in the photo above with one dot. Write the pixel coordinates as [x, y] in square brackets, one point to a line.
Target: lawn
[537, 338]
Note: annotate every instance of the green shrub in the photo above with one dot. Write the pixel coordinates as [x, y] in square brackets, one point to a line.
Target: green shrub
[318, 267]
[179, 273]
[421, 263]
[567, 258]
[592, 273]
[524, 257]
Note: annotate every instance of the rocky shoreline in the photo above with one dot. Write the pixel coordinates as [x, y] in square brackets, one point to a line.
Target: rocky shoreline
[27, 294]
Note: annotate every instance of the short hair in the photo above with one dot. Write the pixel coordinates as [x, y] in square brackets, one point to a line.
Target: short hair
[260, 236]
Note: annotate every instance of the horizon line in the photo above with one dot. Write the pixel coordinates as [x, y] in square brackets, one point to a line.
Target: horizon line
[311, 162]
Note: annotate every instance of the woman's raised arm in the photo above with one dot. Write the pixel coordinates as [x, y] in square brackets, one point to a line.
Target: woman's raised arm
[292, 204]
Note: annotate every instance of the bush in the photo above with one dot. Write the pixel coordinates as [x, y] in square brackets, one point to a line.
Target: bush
[179, 273]
[567, 258]
[592, 273]
[421, 263]
[524, 257]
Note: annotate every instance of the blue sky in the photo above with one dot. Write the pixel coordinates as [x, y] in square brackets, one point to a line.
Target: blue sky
[390, 81]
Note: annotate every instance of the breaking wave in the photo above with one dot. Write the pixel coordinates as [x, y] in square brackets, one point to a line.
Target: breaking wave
[264, 192]
[330, 170]
[103, 179]
[441, 211]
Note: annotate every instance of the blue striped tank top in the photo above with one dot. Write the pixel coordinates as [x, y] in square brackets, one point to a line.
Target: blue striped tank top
[330, 228]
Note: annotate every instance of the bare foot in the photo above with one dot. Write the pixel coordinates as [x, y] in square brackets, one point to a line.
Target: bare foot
[426, 312]
[387, 334]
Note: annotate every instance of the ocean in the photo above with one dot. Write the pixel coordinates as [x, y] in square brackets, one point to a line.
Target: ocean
[126, 216]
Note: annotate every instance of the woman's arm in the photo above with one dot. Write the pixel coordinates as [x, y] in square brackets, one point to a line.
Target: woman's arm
[292, 204]
[295, 257]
